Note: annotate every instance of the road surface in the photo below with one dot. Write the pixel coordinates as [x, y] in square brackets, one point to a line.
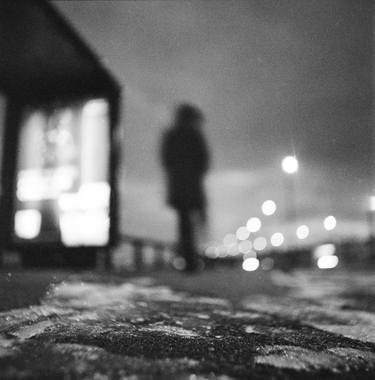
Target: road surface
[222, 324]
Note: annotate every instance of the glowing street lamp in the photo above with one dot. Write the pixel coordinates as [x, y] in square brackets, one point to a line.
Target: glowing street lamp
[289, 164]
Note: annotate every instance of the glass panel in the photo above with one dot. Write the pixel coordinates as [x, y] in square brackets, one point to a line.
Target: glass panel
[63, 187]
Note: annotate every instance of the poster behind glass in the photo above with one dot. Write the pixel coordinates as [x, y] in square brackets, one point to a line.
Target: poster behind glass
[62, 180]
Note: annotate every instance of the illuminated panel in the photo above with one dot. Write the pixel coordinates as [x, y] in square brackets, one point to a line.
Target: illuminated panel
[27, 223]
[63, 175]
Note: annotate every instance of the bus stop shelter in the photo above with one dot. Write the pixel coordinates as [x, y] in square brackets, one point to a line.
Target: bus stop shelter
[59, 139]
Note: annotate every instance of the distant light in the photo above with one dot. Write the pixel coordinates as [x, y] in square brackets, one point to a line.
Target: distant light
[330, 223]
[179, 263]
[69, 201]
[372, 203]
[327, 262]
[267, 263]
[229, 240]
[31, 186]
[94, 195]
[289, 164]
[222, 251]
[84, 228]
[245, 246]
[242, 233]
[232, 250]
[212, 252]
[251, 264]
[251, 253]
[34, 185]
[260, 243]
[324, 250]
[254, 224]
[268, 207]
[302, 232]
[27, 223]
[95, 107]
[277, 239]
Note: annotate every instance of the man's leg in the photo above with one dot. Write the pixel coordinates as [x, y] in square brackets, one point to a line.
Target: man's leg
[186, 238]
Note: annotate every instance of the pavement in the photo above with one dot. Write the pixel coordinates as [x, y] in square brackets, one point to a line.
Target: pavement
[220, 324]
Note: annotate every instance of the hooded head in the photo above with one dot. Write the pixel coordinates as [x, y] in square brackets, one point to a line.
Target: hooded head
[188, 116]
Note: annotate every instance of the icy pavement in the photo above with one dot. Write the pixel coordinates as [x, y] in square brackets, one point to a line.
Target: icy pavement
[322, 328]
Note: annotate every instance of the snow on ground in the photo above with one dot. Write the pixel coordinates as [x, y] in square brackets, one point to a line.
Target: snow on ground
[322, 325]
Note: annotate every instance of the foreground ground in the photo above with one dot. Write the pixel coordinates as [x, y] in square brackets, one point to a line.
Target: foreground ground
[220, 324]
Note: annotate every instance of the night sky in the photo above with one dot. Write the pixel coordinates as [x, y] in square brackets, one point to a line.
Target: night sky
[273, 78]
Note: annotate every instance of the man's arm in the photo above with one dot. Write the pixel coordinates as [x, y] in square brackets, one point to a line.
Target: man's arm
[204, 154]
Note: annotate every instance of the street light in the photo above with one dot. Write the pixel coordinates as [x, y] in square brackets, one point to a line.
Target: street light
[289, 164]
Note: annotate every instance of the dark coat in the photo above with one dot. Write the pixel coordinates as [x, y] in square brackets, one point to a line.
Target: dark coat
[185, 159]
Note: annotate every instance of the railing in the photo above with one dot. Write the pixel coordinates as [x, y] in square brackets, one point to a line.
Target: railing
[132, 253]
[139, 253]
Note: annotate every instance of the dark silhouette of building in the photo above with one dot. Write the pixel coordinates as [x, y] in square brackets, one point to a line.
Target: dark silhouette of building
[185, 159]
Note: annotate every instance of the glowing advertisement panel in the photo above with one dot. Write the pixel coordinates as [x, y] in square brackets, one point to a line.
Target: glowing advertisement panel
[62, 178]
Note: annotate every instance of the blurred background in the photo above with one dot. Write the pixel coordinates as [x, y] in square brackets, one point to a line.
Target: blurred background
[275, 79]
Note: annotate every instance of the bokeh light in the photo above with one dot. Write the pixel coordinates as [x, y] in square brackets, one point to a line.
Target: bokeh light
[28, 223]
[303, 232]
[327, 262]
[260, 243]
[267, 263]
[179, 263]
[254, 224]
[212, 252]
[222, 251]
[277, 239]
[232, 250]
[330, 223]
[251, 253]
[242, 233]
[245, 246]
[324, 250]
[268, 207]
[289, 164]
[229, 240]
[372, 203]
[251, 264]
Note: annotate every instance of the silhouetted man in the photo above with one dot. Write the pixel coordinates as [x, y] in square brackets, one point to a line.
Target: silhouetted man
[185, 160]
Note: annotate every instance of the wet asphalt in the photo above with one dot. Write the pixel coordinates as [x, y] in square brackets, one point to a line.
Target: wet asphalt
[222, 324]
